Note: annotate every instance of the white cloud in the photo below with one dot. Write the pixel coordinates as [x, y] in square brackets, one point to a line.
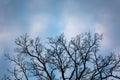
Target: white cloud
[103, 26]
[99, 28]
[38, 24]
[102, 29]
[7, 37]
[5, 40]
[72, 22]
[4, 36]
[72, 25]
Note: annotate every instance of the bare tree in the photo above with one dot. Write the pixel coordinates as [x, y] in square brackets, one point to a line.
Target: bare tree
[59, 59]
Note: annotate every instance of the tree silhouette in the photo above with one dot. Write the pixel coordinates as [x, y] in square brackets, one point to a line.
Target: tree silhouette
[59, 59]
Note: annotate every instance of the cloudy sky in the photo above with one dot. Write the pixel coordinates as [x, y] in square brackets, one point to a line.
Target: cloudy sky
[47, 18]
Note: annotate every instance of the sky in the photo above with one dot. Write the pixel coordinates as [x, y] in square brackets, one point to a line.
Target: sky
[49, 18]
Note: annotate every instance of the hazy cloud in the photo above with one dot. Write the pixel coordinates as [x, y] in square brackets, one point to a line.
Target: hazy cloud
[49, 17]
[38, 24]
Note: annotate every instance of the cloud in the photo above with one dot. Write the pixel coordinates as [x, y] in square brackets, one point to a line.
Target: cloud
[5, 39]
[72, 25]
[8, 33]
[72, 22]
[43, 17]
[97, 16]
[107, 22]
[102, 29]
[38, 24]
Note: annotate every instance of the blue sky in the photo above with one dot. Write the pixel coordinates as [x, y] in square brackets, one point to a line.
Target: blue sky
[47, 18]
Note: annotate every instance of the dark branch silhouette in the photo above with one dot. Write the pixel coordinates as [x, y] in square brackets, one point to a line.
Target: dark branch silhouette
[59, 59]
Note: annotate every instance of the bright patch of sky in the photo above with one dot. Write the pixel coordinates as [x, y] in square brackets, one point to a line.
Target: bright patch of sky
[47, 18]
